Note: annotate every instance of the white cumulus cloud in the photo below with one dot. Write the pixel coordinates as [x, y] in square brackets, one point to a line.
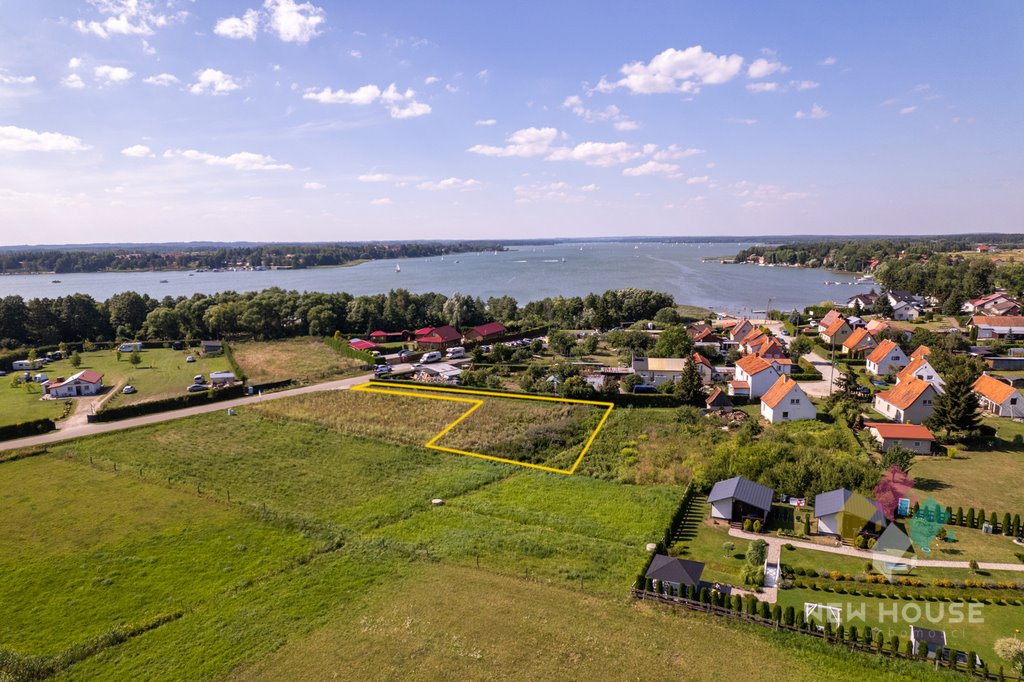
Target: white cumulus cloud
[816, 111]
[164, 79]
[294, 22]
[314, 185]
[450, 183]
[74, 63]
[367, 94]
[653, 168]
[243, 161]
[400, 104]
[239, 28]
[137, 151]
[575, 104]
[676, 71]
[127, 17]
[525, 142]
[768, 86]
[74, 81]
[112, 74]
[6, 79]
[762, 68]
[213, 82]
[14, 139]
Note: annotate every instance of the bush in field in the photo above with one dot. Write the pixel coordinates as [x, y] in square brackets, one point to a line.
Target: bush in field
[757, 551]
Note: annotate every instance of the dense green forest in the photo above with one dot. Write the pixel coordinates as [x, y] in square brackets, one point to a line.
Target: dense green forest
[211, 257]
[276, 313]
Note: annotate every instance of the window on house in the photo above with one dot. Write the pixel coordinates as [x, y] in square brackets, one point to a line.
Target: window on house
[1013, 401]
[794, 401]
[785, 415]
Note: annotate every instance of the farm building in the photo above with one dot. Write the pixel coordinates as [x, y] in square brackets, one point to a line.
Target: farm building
[847, 514]
[913, 437]
[437, 338]
[86, 382]
[908, 402]
[736, 499]
[998, 398]
[669, 570]
[785, 401]
[485, 332]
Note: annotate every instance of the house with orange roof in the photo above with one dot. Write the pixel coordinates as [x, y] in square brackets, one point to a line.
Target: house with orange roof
[754, 376]
[859, 342]
[829, 318]
[785, 401]
[908, 402]
[921, 351]
[887, 358]
[837, 332]
[998, 326]
[998, 398]
[913, 437]
[740, 329]
[922, 369]
[772, 350]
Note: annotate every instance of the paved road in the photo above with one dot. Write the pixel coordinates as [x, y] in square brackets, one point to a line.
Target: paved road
[77, 430]
[820, 389]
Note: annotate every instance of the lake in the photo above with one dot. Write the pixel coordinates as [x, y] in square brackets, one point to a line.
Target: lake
[525, 273]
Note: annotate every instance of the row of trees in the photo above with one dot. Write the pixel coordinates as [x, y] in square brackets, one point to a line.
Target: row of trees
[276, 313]
[192, 257]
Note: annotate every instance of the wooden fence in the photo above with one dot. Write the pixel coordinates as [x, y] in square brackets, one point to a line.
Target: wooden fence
[831, 638]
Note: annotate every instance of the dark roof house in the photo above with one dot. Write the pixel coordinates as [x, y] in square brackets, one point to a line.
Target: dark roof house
[737, 498]
[933, 640]
[675, 571]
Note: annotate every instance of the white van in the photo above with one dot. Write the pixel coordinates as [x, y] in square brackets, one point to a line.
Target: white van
[432, 356]
[456, 352]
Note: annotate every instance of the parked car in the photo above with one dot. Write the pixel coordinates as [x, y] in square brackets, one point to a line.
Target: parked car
[380, 370]
[456, 352]
[190, 359]
[432, 356]
[404, 353]
[128, 389]
[195, 388]
[199, 379]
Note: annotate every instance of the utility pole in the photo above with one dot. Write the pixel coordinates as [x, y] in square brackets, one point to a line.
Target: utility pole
[832, 375]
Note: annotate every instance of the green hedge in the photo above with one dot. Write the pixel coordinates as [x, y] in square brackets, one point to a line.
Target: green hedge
[341, 346]
[25, 429]
[175, 403]
[807, 368]
[239, 374]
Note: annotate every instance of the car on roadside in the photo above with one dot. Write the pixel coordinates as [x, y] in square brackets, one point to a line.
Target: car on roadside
[127, 390]
[196, 388]
[190, 359]
[404, 353]
[380, 370]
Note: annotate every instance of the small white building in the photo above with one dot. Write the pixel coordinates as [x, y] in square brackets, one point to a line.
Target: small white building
[998, 398]
[26, 365]
[86, 382]
[920, 368]
[914, 437]
[908, 402]
[786, 402]
[754, 376]
[738, 498]
[847, 514]
[886, 358]
[222, 378]
[130, 347]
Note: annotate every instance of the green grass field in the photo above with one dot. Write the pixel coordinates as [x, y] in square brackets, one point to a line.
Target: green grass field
[295, 542]
[305, 360]
[21, 402]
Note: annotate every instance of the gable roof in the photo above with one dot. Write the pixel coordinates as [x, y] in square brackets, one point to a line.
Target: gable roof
[753, 336]
[901, 431]
[752, 364]
[993, 389]
[739, 488]
[858, 336]
[921, 351]
[673, 570]
[771, 346]
[831, 502]
[834, 328]
[830, 318]
[489, 328]
[905, 393]
[883, 349]
[926, 636]
[87, 376]
[361, 344]
[701, 360]
[779, 390]
[911, 369]
[718, 398]
[441, 335]
[1007, 321]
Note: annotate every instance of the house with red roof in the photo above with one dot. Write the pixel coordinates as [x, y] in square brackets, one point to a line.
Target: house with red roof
[86, 382]
[920, 368]
[438, 338]
[908, 402]
[829, 318]
[859, 342]
[754, 376]
[887, 358]
[998, 398]
[838, 331]
[485, 332]
[913, 437]
[785, 401]
[362, 344]
[388, 337]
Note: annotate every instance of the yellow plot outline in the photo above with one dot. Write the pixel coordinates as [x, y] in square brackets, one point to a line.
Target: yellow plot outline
[476, 403]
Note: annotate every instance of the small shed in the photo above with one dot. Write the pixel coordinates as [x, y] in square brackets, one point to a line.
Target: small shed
[669, 570]
[737, 498]
[934, 641]
[212, 347]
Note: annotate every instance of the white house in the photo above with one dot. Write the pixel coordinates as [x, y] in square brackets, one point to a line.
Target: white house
[998, 398]
[887, 358]
[914, 437]
[920, 368]
[786, 402]
[908, 402]
[754, 376]
[904, 311]
[736, 499]
[86, 382]
[658, 371]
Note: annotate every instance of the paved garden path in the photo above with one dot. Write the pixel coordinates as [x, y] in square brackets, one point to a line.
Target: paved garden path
[775, 543]
[79, 428]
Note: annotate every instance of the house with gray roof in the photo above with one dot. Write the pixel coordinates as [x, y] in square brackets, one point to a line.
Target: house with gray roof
[669, 570]
[736, 499]
[934, 641]
[847, 514]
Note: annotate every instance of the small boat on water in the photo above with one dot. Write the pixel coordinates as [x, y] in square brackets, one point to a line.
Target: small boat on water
[398, 268]
[54, 281]
[163, 281]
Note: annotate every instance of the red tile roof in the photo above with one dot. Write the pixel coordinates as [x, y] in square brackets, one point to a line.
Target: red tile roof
[834, 328]
[361, 344]
[999, 320]
[752, 364]
[489, 329]
[443, 334]
[921, 351]
[779, 390]
[905, 393]
[884, 348]
[904, 431]
[993, 389]
[858, 337]
[423, 331]
[830, 317]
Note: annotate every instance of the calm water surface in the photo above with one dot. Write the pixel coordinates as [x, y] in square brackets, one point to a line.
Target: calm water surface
[525, 273]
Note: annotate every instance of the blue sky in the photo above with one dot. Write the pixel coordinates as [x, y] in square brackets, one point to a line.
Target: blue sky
[127, 120]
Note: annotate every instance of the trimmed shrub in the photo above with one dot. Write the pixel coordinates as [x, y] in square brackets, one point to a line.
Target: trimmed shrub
[25, 429]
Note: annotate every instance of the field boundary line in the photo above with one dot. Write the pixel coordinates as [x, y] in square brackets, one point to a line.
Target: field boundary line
[416, 392]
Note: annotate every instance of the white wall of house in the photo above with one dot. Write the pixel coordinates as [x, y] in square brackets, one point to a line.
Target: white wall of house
[889, 364]
[75, 389]
[921, 447]
[916, 413]
[1010, 408]
[829, 524]
[794, 407]
[760, 382]
[722, 509]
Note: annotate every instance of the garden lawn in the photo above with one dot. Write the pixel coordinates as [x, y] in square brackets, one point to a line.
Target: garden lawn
[305, 360]
[991, 479]
[83, 551]
[996, 621]
[21, 402]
